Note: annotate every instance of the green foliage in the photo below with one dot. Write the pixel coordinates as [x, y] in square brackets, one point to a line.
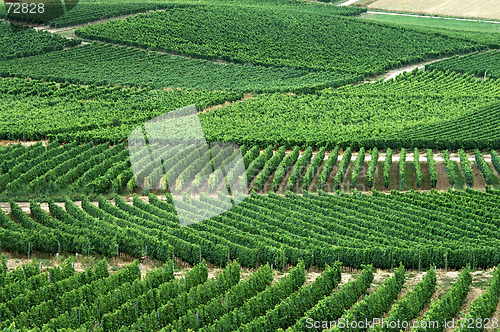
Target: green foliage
[402, 169]
[302, 46]
[136, 67]
[419, 175]
[483, 307]
[377, 229]
[284, 166]
[62, 169]
[185, 301]
[387, 167]
[375, 304]
[484, 64]
[495, 159]
[466, 167]
[141, 305]
[258, 164]
[357, 165]
[334, 306]
[342, 169]
[328, 167]
[299, 168]
[372, 166]
[225, 303]
[270, 166]
[313, 167]
[408, 308]
[292, 308]
[385, 114]
[18, 42]
[483, 167]
[258, 305]
[447, 307]
[82, 113]
[450, 167]
[431, 165]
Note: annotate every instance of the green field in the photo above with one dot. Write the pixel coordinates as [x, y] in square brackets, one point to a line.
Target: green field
[275, 38]
[136, 67]
[483, 64]
[481, 32]
[384, 114]
[17, 42]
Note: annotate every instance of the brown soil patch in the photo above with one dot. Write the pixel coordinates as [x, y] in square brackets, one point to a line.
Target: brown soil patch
[227, 103]
[25, 143]
[479, 182]
[442, 181]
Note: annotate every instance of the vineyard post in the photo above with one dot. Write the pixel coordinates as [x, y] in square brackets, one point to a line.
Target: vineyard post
[228, 251]
[200, 255]
[79, 316]
[446, 261]
[117, 252]
[88, 250]
[473, 260]
[29, 248]
[392, 261]
[58, 249]
[257, 260]
[283, 260]
[419, 261]
[145, 254]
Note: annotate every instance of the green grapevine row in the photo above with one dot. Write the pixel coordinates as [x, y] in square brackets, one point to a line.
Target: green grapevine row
[446, 307]
[449, 166]
[480, 64]
[333, 306]
[261, 303]
[299, 168]
[374, 305]
[284, 166]
[387, 167]
[483, 307]
[342, 168]
[402, 168]
[328, 167]
[411, 304]
[419, 176]
[483, 167]
[313, 167]
[466, 167]
[431, 164]
[270, 166]
[356, 167]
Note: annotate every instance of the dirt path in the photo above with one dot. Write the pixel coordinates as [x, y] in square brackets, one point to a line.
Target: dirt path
[227, 103]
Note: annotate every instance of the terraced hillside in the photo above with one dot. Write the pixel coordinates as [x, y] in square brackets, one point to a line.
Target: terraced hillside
[234, 300]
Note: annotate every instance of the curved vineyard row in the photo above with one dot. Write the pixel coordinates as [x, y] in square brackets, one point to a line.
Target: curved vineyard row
[73, 169]
[124, 301]
[18, 42]
[447, 111]
[59, 169]
[378, 229]
[79, 113]
[135, 67]
[301, 46]
[481, 64]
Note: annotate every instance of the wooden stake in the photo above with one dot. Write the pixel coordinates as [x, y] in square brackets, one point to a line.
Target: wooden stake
[446, 261]
[419, 261]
